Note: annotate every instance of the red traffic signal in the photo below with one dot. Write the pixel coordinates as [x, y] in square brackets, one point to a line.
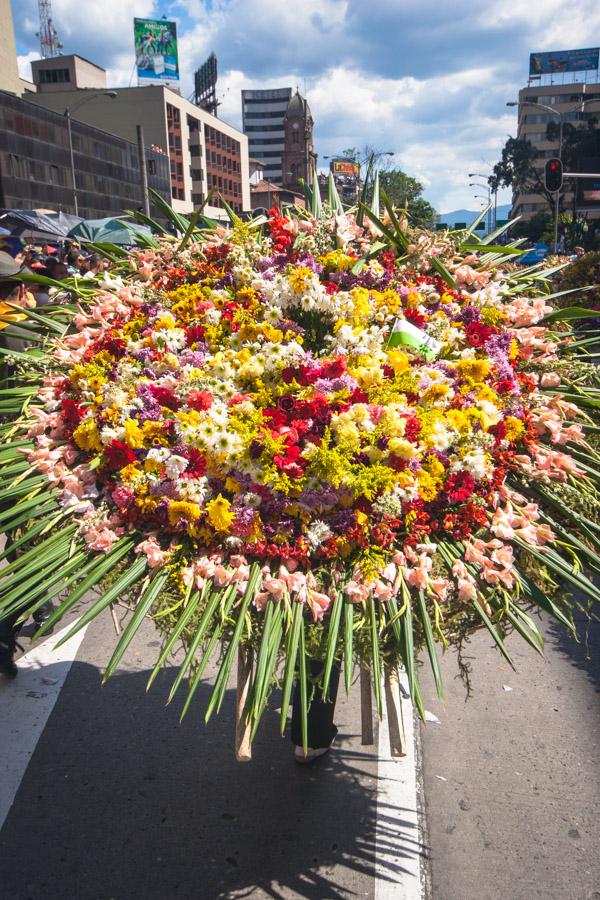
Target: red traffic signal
[553, 174]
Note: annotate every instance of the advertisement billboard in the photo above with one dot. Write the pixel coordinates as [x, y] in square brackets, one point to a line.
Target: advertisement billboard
[345, 167]
[563, 61]
[156, 51]
[205, 85]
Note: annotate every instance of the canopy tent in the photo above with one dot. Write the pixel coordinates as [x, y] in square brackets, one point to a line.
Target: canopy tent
[33, 224]
[109, 231]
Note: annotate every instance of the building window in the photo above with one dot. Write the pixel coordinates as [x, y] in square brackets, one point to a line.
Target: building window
[151, 166]
[54, 76]
[195, 150]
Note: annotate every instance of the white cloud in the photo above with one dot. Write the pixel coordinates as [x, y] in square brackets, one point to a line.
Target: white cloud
[425, 79]
[24, 64]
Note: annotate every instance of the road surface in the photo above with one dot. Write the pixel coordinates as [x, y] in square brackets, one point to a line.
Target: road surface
[107, 797]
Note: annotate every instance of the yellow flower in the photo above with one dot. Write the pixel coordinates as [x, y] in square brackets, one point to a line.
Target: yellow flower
[428, 486]
[490, 315]
[274, 335]
[337, 259]
[219, 513]
[298, 278]
[134, 436]
[87, 436]
[514, 428]
[398, 361]
[154, 434]
[131, 473]
[401, 448]
[476, 369]
[486, 393]
[181, 509]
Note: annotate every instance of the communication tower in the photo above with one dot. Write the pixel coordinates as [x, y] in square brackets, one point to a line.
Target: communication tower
[48, 35]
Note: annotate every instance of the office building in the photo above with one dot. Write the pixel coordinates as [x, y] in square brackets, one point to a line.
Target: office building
[574, 103]
[35, 164]
[206, 156]
[263, 117]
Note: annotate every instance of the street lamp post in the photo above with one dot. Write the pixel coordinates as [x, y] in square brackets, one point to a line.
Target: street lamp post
[488, 199]
[559, 115]
[481, 175]
[67, 114]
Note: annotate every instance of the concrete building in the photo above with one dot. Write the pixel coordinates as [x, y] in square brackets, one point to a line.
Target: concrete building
[205, 154]
[67, 73]
[263, 116]
[35, 164]
[566, 99]
[9, 71]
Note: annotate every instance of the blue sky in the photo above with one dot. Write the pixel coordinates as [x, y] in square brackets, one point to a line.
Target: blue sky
[427, 79]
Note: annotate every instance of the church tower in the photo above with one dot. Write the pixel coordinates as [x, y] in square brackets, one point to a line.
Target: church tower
[299, 157]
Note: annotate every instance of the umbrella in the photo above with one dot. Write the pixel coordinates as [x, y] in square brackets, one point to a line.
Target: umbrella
[109, 231]
[38, 224]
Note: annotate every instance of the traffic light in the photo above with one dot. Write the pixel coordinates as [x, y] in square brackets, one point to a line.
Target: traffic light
[553, 174]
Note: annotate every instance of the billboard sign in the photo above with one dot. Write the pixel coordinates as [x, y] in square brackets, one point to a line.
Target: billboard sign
[205, 85]
[563, 61]
[156, 51]
[345, 167]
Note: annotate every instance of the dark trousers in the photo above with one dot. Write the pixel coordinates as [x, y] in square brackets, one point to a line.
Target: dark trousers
[321, 730]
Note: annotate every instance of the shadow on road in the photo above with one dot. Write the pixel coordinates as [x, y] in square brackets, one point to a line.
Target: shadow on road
[583, 653]
[122, 802]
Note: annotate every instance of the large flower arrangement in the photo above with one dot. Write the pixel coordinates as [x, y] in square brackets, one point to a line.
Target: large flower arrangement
[308, 438]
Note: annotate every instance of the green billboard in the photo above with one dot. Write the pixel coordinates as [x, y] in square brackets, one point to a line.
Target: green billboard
[156, 51]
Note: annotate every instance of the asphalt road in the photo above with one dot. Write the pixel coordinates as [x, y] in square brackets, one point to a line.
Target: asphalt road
[121, 802]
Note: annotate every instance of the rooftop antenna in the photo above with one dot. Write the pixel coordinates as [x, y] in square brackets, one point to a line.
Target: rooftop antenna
[49, 43]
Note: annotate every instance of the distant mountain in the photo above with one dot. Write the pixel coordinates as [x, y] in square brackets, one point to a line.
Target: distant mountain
[468, 215]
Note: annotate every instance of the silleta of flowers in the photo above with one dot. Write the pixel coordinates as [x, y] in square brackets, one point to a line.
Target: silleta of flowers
[242, 437]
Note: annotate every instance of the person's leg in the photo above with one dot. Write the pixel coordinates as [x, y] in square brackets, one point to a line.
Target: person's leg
[321, 729]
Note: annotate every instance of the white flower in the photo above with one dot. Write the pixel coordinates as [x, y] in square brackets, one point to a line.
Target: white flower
[175, 465]
[317, 532]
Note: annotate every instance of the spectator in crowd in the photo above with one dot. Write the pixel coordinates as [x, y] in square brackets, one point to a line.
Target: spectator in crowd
[94, 266]
[56, 269]
[74, 260]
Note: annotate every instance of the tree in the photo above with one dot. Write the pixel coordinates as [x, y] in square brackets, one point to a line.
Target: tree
[517, 169]
[405, 191]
